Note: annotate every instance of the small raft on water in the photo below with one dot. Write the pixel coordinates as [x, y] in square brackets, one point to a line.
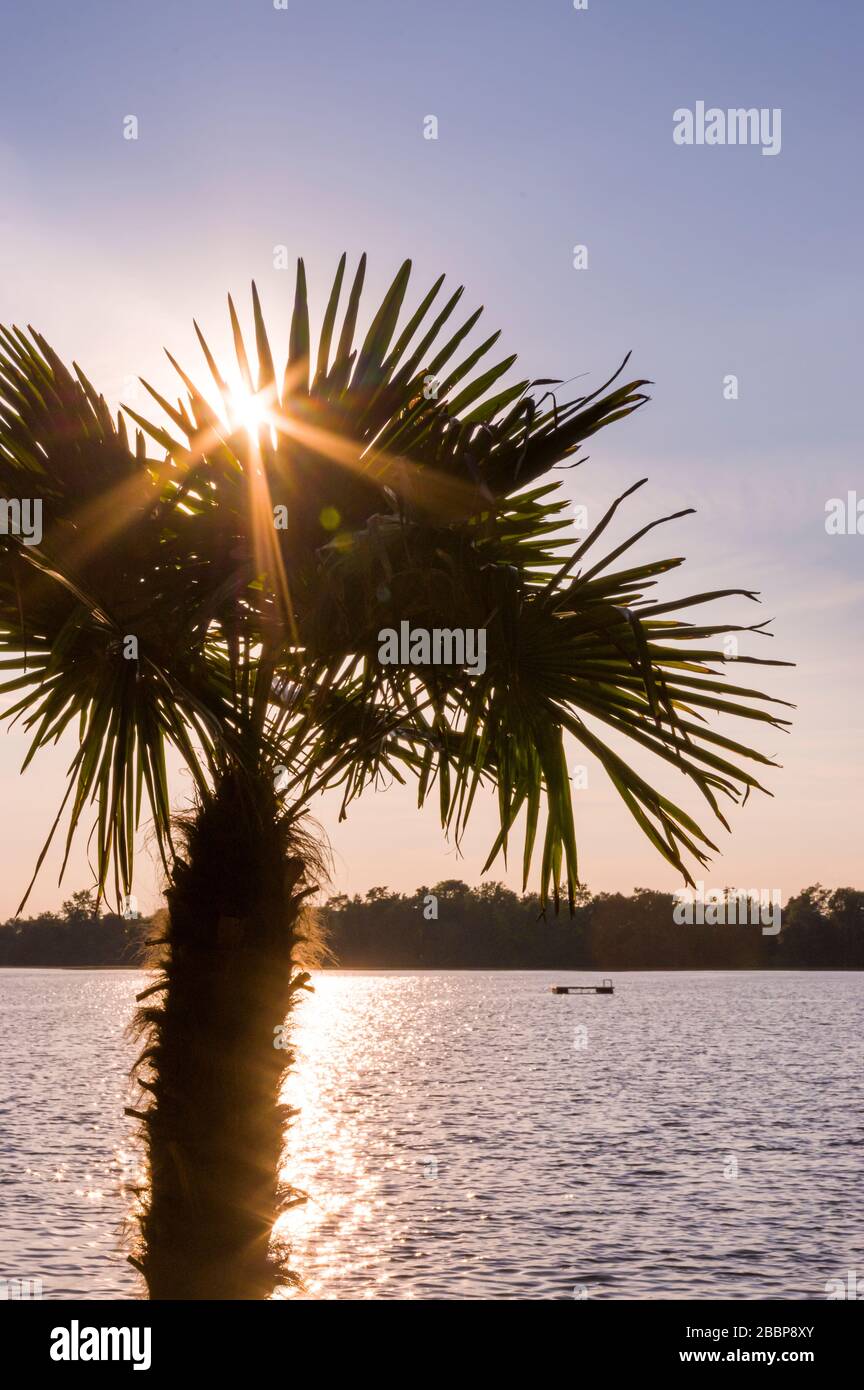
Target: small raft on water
[606, 987]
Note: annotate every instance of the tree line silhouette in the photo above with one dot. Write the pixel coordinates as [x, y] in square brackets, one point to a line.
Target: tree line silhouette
[491, 926]
[454, 926]
[79, 934]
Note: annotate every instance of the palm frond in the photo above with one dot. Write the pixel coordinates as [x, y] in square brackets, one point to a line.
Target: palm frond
[412, 479]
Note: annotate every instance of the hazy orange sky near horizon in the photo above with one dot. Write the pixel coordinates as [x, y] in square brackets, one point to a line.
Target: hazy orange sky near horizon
[700, 262]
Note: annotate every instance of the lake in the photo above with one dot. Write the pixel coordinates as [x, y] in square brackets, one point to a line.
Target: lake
[470, 1135]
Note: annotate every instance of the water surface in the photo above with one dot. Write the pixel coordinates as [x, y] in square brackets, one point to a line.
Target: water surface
[470, 1135]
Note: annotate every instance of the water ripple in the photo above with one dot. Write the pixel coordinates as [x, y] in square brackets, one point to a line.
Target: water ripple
[469, 1135]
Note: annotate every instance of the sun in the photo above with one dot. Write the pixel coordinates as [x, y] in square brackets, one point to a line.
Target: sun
[250, 410]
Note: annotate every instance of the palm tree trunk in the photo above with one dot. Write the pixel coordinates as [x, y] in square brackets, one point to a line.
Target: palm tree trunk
[214, 1129]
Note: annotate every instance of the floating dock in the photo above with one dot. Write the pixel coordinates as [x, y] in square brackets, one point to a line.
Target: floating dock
[607, 987]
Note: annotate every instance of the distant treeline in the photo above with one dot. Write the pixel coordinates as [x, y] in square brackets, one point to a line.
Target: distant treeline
[492, 927]
[75, 935]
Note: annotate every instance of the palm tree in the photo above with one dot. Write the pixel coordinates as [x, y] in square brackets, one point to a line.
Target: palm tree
[225, 599]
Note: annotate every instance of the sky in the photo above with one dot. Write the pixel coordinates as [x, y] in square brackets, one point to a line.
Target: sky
[304, 127]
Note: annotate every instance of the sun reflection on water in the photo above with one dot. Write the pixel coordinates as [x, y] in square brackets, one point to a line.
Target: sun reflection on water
[323, 1158]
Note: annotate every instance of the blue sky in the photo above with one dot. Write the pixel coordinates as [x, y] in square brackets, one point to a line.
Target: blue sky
[304, 128]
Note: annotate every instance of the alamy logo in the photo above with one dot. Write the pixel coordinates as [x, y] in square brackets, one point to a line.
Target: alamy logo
[844, 516]
[20, 1288]
[850, 1287]
[21, 517]
[76, 1343]
[738, 126]
[437, 646]
[729, 907]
